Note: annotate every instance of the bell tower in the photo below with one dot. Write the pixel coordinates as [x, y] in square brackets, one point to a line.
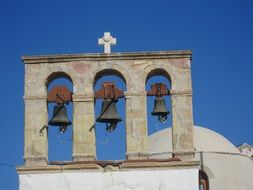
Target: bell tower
[83, 70]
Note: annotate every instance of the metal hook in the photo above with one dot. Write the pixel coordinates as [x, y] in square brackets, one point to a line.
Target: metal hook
[42, 129]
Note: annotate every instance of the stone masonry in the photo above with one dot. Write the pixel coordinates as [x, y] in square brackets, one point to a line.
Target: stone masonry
[83, 70]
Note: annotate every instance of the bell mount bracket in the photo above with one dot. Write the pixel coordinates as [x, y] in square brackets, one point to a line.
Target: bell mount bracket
[60, 95]
[158, 90]
[109, 91]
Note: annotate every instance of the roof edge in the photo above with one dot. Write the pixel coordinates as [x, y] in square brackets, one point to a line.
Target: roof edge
[104, 56]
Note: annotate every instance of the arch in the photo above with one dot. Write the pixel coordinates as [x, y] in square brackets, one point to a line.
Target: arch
[56, 75]
[203, 180]
[158, 69]
[157, 72]
[116, 69]
[52, 74]
[107, 72]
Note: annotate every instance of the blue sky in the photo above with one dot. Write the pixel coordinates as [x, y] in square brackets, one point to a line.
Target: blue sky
[218, 32]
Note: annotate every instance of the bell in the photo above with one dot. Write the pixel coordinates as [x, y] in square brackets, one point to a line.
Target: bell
[109, 114]
[160, 109]
[60, 118]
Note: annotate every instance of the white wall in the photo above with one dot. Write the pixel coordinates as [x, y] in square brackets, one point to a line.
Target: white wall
[186, 179]
[228, 171]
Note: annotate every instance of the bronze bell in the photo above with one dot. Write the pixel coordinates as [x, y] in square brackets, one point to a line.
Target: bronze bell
[160, 109]
[109, 114]
[60, 117]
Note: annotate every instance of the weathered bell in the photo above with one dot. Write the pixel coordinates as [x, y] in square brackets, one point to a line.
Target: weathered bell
[160, 109]
[60, 118]
[109, 114]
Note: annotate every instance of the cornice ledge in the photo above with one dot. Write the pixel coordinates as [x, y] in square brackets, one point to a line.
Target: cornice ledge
[103, 57]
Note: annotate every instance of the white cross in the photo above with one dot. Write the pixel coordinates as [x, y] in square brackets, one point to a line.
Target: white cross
[107, 41]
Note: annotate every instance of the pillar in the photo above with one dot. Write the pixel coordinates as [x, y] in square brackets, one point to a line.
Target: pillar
[182, 122]
[136, 126]
[36, 145]
[84, 146]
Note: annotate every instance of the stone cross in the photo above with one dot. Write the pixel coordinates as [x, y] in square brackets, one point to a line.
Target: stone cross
[107, 40]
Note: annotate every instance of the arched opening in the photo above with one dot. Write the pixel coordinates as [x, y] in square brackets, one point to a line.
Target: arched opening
[59, 75]
[154, 123]
[110, 145]
[203, 181]
[59, 141]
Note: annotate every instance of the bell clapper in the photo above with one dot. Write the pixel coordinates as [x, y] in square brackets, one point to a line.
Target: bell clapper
[162, 118]
[111, 127]
[62, 129]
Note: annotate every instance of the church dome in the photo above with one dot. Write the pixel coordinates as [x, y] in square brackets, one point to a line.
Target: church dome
[205, 140]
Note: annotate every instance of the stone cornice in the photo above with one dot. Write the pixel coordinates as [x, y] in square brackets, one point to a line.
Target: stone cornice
[25, 97]
[105, 57]
[93, 166]
[183, 92]
[83, 98]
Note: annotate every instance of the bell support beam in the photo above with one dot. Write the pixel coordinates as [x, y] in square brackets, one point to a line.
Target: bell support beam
[109, 91]
[158, 90]
[84, 145]
[59, 94]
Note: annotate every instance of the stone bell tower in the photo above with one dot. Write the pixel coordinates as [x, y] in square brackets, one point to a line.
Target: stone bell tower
[83, 70]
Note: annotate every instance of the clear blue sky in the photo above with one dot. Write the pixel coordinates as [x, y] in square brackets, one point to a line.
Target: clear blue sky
[218, 32]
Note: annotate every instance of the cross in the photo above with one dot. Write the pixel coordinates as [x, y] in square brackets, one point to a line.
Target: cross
[107, 40]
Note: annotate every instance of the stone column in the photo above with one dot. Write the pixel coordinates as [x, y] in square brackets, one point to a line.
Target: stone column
[84, 145]
[36, 145]
[182, 124]
[136, 126]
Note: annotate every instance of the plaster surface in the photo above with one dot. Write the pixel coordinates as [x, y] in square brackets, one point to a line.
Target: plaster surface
[204, 140]
[124, 180]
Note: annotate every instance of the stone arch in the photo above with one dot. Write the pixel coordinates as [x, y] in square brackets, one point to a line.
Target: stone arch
[157, 72]
[103, 73]
[50, 75]
[56, 75]
[115, 70]
[158, 69]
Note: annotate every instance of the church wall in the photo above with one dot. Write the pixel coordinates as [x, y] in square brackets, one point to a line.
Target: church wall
[124, 180]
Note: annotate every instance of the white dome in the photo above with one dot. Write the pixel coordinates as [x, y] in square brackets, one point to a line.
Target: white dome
[204, 140]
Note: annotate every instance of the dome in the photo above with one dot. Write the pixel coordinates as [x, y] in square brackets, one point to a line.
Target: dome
[205, 140]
